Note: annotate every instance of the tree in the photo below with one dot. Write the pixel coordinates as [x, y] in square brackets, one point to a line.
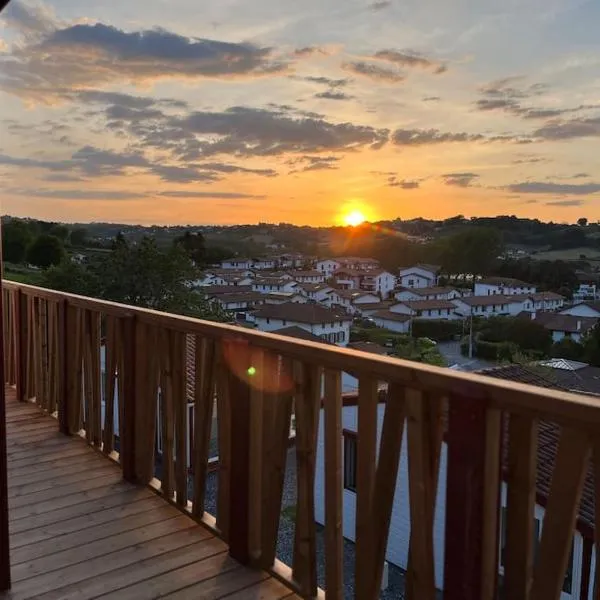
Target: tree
[78, 237]
[193, 245]
[16, 237]
[60, 231]
[591, 347]
[582, 222]
[45, 251]
[567, 348]
[71, 277]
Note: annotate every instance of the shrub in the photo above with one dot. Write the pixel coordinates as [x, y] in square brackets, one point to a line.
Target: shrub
[438, 330]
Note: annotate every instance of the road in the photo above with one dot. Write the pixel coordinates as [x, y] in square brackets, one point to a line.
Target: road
[451, 352]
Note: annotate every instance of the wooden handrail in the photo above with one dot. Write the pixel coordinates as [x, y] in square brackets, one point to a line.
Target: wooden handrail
[165, 374]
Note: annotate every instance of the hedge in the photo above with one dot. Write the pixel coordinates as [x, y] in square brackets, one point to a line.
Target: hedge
[490, 350]
[438, 330]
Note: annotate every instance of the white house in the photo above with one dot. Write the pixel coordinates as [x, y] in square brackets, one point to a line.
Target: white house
[394, 321]
[427, 309]
[502, 286]
[358, 263]
[237, 263]
[274, 284]
[283, 297]
[585, 291]
[238, 303]
[262, 264]
[319, 292]
[491, 306]
[312, 276]
[327, 266]
[379, 281]
[583, 309]
[547, 301]
[325, 323]
[347, 279]
[429, 293]
[341, 299]
[419, 276]
[565, 326]
[399, 536]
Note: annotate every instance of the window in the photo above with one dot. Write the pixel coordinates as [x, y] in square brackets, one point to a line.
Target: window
[268, 320]
[350, 460]
[411, 282]
[284, 322]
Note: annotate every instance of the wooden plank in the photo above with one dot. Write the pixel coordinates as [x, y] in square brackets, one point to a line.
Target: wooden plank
[21, 323]
[91, 535]
[224, 409]
[75, 450]
[100, 565]
[46, 467]
[385, 480]
[333, 461]
[421, 497]
[168, 583]
[276, 434]
[94, 350]
[257, 383]
[145, 570]
[586, 568]
[110, 360]
[520, 504]
[561, 514]
[54, 474]
[204, 391]
[366, 461]
[270, 589]
[128, 363]
[307, 402]
[167, 416]
[133, 506]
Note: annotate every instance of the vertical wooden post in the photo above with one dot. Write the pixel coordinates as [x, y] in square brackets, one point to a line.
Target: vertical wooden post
[464, 561]
[586, 568]
[127, 372]
[65, 345]
[20, 317]
[4, 533]
[238, 355]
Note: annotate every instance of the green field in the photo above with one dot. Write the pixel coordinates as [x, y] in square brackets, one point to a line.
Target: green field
[31, 277]
[570, 254]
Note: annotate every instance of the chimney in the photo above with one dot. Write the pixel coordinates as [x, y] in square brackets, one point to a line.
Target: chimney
[533, 315]
[578, 325]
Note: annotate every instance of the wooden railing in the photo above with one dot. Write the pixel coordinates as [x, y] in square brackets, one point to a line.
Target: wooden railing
[156, 364]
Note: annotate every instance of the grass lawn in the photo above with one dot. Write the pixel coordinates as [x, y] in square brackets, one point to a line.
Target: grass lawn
[29, 277]
[570, 254]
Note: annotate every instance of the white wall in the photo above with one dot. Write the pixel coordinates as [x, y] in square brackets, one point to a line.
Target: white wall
[396, 326]
[486, 289]
[320, 330]
[415, 280]
[327, 266]
[580, 310]
[399, 536]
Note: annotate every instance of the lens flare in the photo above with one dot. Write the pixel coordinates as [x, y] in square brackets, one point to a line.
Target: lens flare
[354, 218]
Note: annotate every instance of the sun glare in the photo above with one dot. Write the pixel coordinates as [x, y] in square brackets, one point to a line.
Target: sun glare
[354, 218]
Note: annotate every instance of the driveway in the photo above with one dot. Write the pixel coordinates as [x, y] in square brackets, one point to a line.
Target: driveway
[451, 352]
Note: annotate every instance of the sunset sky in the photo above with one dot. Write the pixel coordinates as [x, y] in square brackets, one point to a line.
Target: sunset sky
[229, 111]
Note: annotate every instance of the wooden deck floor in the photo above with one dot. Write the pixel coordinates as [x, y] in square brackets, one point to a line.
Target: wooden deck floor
[78, 531]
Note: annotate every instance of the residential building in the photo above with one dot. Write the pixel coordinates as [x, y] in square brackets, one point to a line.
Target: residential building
[238, 303]
[394, 321]
[585, 291]
[264, 264]
[340, 299]
[564, 326]
[347, 279]
[312, 276]
[327, 324]
[379, 281]
[559, 376]
[502, 286]
[327, 266]
[430, 293]
[493, 305]
[237, 263]
[358, 263]
[274, 284]
[419, 276]
[583, 309]
[283, 297]
[427, 309]
[318, 292]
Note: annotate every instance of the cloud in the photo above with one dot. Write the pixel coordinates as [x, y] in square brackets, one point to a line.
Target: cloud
[422, 137]
[88, 55]
[431, 99]
[570, 129]
[76, 194]
[405, 184]
[410, 59]
[310, 51]
[327, 81]
[227, 168]
[193, 194]
[182, 174]
[332, 95]
[243, 131]
[580, 176]
[62, 178]
[566, 203]
[29, 19]
[542, 187]
[529, 160]
[380, 5]
[374, 72]
[460, 179]
[315, 163]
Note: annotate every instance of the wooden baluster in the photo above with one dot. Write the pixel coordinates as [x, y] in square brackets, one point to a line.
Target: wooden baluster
[520, 505]
[224, 424]
[9, 359]
[204, 397]
[55, 374]
[22, 328]
[44, 401]
[147, 375]
[95, 350]
[333, 461]
[76, 405]
[64, 362]
[276, 437]
[596, 459]
[561, 514]
[88, 412]
[307, 403]
[385, 480]
[128, 365]
[110, 368]
[179, 389]
[469, 448]
[365, 482]
[166, 414]
[32, 368]
[257, 381]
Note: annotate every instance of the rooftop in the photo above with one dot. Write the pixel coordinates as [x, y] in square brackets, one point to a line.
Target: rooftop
[428, 304]
[566, 323]
[301, 313]
[504, 281]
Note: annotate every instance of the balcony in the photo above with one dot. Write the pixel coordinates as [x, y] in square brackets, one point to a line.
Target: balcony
[110, 411]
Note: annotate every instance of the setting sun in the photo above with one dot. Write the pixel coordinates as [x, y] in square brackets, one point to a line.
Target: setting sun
[354, 218]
